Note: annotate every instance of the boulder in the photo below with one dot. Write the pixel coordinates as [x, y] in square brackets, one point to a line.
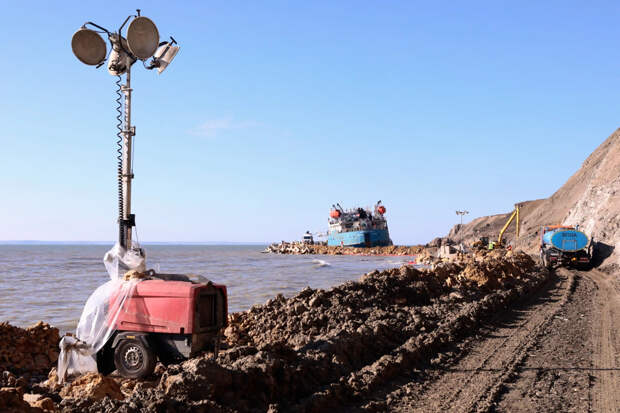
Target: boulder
[92, 386]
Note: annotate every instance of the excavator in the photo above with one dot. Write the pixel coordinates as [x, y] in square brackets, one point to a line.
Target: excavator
[500, 238]
[484, 242]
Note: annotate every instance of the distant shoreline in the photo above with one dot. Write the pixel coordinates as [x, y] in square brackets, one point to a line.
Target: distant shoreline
[211, 243]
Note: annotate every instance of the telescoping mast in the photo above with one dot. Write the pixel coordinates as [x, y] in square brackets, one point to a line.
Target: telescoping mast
[141, 42]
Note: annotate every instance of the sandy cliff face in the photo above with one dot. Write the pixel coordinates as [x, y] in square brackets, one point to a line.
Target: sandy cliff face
[597, 210]
[590, 198]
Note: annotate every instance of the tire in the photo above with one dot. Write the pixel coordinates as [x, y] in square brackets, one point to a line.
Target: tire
[134, 359]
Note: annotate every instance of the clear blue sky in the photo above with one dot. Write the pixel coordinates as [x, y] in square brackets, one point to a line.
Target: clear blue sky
[273, 111]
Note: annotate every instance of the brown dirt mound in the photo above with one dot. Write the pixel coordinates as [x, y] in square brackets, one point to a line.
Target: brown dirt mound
[93, 386]
[319, 349]
[495, 269]
[33, 350]
[11, 401]
[13, 398]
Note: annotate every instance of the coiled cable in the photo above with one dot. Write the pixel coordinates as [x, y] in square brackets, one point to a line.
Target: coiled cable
[119, 150]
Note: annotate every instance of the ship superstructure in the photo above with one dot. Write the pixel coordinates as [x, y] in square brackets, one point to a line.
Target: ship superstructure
[358, 227]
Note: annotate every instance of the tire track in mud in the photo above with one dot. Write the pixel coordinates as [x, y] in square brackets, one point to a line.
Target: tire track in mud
[474, 382]
[606, 344]
[364, 388]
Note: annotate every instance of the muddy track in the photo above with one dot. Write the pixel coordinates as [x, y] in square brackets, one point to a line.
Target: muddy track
[558, 350]
[605, 390]
[575, 366]
[489, 361]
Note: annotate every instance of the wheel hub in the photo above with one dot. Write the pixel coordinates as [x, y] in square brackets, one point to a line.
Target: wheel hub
[133, 357]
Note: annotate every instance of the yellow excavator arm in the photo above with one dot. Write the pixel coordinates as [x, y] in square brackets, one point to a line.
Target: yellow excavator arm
[515, 214]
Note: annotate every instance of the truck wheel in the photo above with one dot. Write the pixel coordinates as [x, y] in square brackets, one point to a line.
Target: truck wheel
[134, 359]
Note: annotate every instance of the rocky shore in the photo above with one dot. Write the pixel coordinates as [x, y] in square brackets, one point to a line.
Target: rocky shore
[26, 357]
[316, 351]
[299, 248]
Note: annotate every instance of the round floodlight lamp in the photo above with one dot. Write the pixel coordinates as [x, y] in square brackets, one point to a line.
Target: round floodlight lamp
[142, 37]
[88, 47]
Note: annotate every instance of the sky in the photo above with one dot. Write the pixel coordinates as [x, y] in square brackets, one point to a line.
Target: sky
[273, 111]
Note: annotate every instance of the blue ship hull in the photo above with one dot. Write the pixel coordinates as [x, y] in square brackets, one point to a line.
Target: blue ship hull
[367, 238]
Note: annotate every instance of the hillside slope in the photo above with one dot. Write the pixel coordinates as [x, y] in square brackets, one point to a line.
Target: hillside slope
[590, 198]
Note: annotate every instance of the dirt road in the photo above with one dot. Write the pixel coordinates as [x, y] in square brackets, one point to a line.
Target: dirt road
[559, 350]
[606, 344]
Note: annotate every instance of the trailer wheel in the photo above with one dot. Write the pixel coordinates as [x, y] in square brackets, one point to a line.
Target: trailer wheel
[134, 359]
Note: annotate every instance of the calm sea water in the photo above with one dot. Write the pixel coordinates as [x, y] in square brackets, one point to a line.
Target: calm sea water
[52, 282]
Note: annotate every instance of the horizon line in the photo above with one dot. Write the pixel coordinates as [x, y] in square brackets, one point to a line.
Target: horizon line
[75, 242]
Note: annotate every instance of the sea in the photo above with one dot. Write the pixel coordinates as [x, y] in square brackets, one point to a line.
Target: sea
[52, 282]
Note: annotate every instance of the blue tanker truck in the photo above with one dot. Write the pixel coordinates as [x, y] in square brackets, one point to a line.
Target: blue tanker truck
[564, 246]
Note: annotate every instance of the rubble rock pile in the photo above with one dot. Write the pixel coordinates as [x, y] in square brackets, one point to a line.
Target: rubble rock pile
[13, 398]
[299, 248]
[321, 349]
[11, 401]
[33, 350]
[92, 386]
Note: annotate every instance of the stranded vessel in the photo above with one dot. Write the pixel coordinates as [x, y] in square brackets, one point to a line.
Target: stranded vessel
[358, 227]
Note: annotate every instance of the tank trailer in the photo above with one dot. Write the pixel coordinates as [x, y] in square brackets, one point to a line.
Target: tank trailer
[564, 246]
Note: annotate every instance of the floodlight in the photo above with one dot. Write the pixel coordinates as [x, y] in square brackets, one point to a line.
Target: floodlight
[88, 46]
[142, 37]
[163, 56]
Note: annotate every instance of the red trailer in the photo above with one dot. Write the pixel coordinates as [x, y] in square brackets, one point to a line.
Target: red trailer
[167, 317]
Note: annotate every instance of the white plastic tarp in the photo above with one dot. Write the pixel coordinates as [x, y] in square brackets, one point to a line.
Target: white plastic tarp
[97, 323]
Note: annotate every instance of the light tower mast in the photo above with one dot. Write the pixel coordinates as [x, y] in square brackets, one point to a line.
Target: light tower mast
[140, 43]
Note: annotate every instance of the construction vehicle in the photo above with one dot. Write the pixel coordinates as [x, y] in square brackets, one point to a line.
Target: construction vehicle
[169, 317]
[565, 246]
[481, 244]
[500, 239]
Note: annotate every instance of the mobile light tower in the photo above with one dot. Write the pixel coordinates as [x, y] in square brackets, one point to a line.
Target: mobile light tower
[461, 213]
[141, 42]
[107, 337]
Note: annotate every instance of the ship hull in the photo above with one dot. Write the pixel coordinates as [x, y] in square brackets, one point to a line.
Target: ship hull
[366, 238]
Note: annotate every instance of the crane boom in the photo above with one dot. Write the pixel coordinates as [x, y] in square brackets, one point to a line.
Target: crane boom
[515, 214]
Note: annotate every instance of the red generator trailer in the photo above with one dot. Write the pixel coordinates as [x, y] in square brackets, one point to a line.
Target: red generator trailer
[167, 317]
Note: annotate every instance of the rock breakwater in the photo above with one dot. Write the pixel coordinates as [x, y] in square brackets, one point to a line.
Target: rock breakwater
[299, 248]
